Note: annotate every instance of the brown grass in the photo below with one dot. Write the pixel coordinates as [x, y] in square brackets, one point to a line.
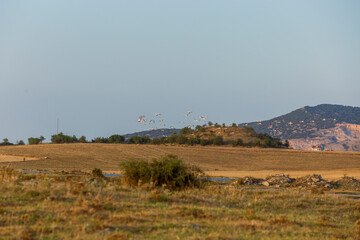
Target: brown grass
[40, 206]
[219, 160]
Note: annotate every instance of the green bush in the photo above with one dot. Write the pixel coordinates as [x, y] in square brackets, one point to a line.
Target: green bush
[100, 140]
[169, 170]
[136, 171]
[82, 139]
[61, 138]
[186, 130]
[116, 139]
[33, 141]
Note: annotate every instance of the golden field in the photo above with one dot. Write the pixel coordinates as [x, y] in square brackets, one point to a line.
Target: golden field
[214, 160]
[81, 206]
[63, 206]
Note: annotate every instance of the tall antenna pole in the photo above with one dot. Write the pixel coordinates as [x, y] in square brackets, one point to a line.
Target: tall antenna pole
[57, 132]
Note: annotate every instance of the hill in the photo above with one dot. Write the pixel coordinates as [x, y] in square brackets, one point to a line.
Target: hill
[236, 136]
[336, 126]
[158, 133]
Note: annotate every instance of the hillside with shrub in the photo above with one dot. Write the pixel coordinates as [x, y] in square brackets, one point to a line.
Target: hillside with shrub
[223, 135]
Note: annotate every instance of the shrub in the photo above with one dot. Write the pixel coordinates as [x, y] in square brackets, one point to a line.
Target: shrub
[82, 139]
[156, 141]
[139, 140]
[100, 140]
[6, 142]
[61, 138]
[116, 139]
[33, 141]
[136, 171]
[172, 138]
[200, 128]
[169, 170]
[186, 130]
[181, 139]
[218, 140]
[96, 172]
[204, 142]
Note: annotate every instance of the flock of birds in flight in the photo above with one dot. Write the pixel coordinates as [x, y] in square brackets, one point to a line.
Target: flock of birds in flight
[158, 116]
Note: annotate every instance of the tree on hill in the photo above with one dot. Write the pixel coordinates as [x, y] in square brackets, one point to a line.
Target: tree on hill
[61, 138]
[6, 142]
[33, 141]
[116, 139]
[100, 140]
[82, 139]
[186, 130]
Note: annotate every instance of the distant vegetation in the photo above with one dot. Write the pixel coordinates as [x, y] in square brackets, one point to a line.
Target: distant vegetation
[213, 134]
[6, 142]
[36, 140]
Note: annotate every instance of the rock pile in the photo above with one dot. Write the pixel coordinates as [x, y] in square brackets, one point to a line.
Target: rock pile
[279, 180]
[348, 183]
[312, 181]
[282, 180]
[249, 181]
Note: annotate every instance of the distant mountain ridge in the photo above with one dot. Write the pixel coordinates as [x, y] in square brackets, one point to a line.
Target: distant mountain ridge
[336, 127]
[306, 121]
[158, 133]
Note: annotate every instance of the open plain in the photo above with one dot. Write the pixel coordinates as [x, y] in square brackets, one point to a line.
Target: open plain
[215, 161]
[84, 206]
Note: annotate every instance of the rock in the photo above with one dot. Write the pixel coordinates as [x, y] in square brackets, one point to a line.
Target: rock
[266, 183]
[279, 179]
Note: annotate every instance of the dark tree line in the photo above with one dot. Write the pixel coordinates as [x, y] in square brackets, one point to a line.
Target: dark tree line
[264, 140]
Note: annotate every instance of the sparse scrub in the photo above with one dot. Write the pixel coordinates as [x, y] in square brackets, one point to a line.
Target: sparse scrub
[69, 207]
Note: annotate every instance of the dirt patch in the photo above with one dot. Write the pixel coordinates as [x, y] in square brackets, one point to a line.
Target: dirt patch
[12, 158]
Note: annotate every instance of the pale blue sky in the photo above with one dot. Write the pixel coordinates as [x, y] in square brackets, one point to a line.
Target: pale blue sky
[98, 65]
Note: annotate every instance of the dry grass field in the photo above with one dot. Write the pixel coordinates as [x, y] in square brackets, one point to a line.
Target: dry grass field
[56, 206]
[216, 161]
[82, 206]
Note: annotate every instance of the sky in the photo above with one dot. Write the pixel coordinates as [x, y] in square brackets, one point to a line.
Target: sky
[98, 65]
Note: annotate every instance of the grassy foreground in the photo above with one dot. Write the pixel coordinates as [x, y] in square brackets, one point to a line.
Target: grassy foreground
[80, 207]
